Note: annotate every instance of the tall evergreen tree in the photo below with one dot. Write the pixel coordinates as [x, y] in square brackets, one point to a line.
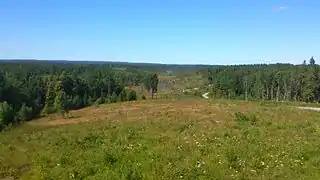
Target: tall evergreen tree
[49, 101]
[24, 113]
[312, 61]
[6, 114]
[61, 100]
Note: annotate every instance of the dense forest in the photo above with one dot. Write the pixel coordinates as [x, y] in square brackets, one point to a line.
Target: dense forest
[279, 82]
[34, 88]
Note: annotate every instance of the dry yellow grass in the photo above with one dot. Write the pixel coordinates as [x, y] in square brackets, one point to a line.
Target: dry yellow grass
[146, 109]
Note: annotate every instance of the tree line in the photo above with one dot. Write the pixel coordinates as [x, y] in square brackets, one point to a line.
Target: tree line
[278, 82]
[32, 89]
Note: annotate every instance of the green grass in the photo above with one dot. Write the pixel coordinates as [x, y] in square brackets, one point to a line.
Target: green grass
[167, 139]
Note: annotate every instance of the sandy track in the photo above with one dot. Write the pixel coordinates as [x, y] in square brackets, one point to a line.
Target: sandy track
[309, 108]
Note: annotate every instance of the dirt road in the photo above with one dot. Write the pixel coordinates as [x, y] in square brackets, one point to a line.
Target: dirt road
[309, 108]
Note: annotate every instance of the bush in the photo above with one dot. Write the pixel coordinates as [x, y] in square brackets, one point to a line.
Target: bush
[242, 118]
[131, 95]
[143, 97]
[98, 101]
[114, 97]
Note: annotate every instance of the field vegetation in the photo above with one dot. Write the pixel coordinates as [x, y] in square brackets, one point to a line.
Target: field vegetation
[167, 139]
[131, 121]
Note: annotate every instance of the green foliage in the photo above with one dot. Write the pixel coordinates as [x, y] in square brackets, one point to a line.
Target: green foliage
[98, 101]
[77, 102]
[122, 96]
[151, 83]
[131, 95]
[114, 97]
[242, 118]
[154, 80]
[276, 82]
[49, 99]
[42, 88]
[24, 113]
[90, 101]
[61, 100]
[6, 114]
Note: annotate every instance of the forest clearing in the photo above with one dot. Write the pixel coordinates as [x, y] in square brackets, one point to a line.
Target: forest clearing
[167, 139]
[159, 90]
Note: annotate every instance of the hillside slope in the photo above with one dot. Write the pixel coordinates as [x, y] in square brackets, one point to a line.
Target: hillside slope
[166, 139]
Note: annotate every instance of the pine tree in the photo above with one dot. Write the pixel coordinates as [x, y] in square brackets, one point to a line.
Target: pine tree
[312, 61]
[154, 82]
[311, 91]
[316, 83]
[122, 96]
[6, 114]
[2, 84]
[50, 96]
[90, 100]
[76, 102]
[23, 113]
[61, 100]
[114, 97]
[85, 99]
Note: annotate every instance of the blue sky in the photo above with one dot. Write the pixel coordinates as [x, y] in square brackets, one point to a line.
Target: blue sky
[166, 31]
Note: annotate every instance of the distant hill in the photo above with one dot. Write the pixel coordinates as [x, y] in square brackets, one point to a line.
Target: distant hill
[101, 62]
[145, 66]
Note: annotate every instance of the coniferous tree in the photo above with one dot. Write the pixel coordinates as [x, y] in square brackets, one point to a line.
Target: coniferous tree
[24, 113]
[29, 89]
[61, 100]
[154, 82]
[114, 97]
[2, 84]
[77, 102]
[6, 114]
[50, 98]
[312, 62]
[122, 96]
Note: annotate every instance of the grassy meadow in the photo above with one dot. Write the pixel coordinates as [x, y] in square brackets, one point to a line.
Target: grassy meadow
[167, 139]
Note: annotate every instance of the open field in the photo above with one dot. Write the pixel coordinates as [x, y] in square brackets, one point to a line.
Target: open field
[167, 139]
